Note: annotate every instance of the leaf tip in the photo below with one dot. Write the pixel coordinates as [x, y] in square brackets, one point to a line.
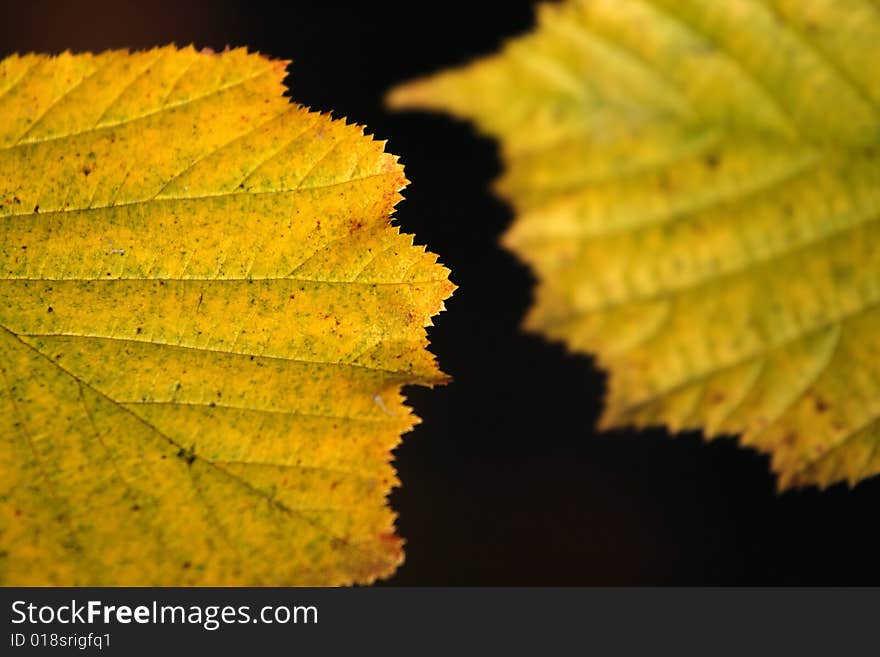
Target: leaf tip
[415, 94]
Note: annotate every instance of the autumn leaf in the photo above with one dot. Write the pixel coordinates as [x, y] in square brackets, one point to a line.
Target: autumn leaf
[206, 319]
[697, 187]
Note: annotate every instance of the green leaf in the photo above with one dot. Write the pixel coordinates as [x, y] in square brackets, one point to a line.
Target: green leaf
[697, 187]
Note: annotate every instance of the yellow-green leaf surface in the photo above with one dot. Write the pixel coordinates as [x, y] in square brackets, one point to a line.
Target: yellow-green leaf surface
[697, 188]
[206, 319]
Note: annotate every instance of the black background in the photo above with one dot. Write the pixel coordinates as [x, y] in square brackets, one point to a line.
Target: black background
[506, 481]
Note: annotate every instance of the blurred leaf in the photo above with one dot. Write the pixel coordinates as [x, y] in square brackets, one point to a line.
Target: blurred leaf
[697, 187]
[205, 323]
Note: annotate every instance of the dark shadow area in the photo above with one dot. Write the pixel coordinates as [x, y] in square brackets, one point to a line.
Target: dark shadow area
[506, 480]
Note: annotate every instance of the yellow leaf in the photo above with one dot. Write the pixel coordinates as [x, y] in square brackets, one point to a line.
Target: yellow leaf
[205, 323]
[697, 187]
